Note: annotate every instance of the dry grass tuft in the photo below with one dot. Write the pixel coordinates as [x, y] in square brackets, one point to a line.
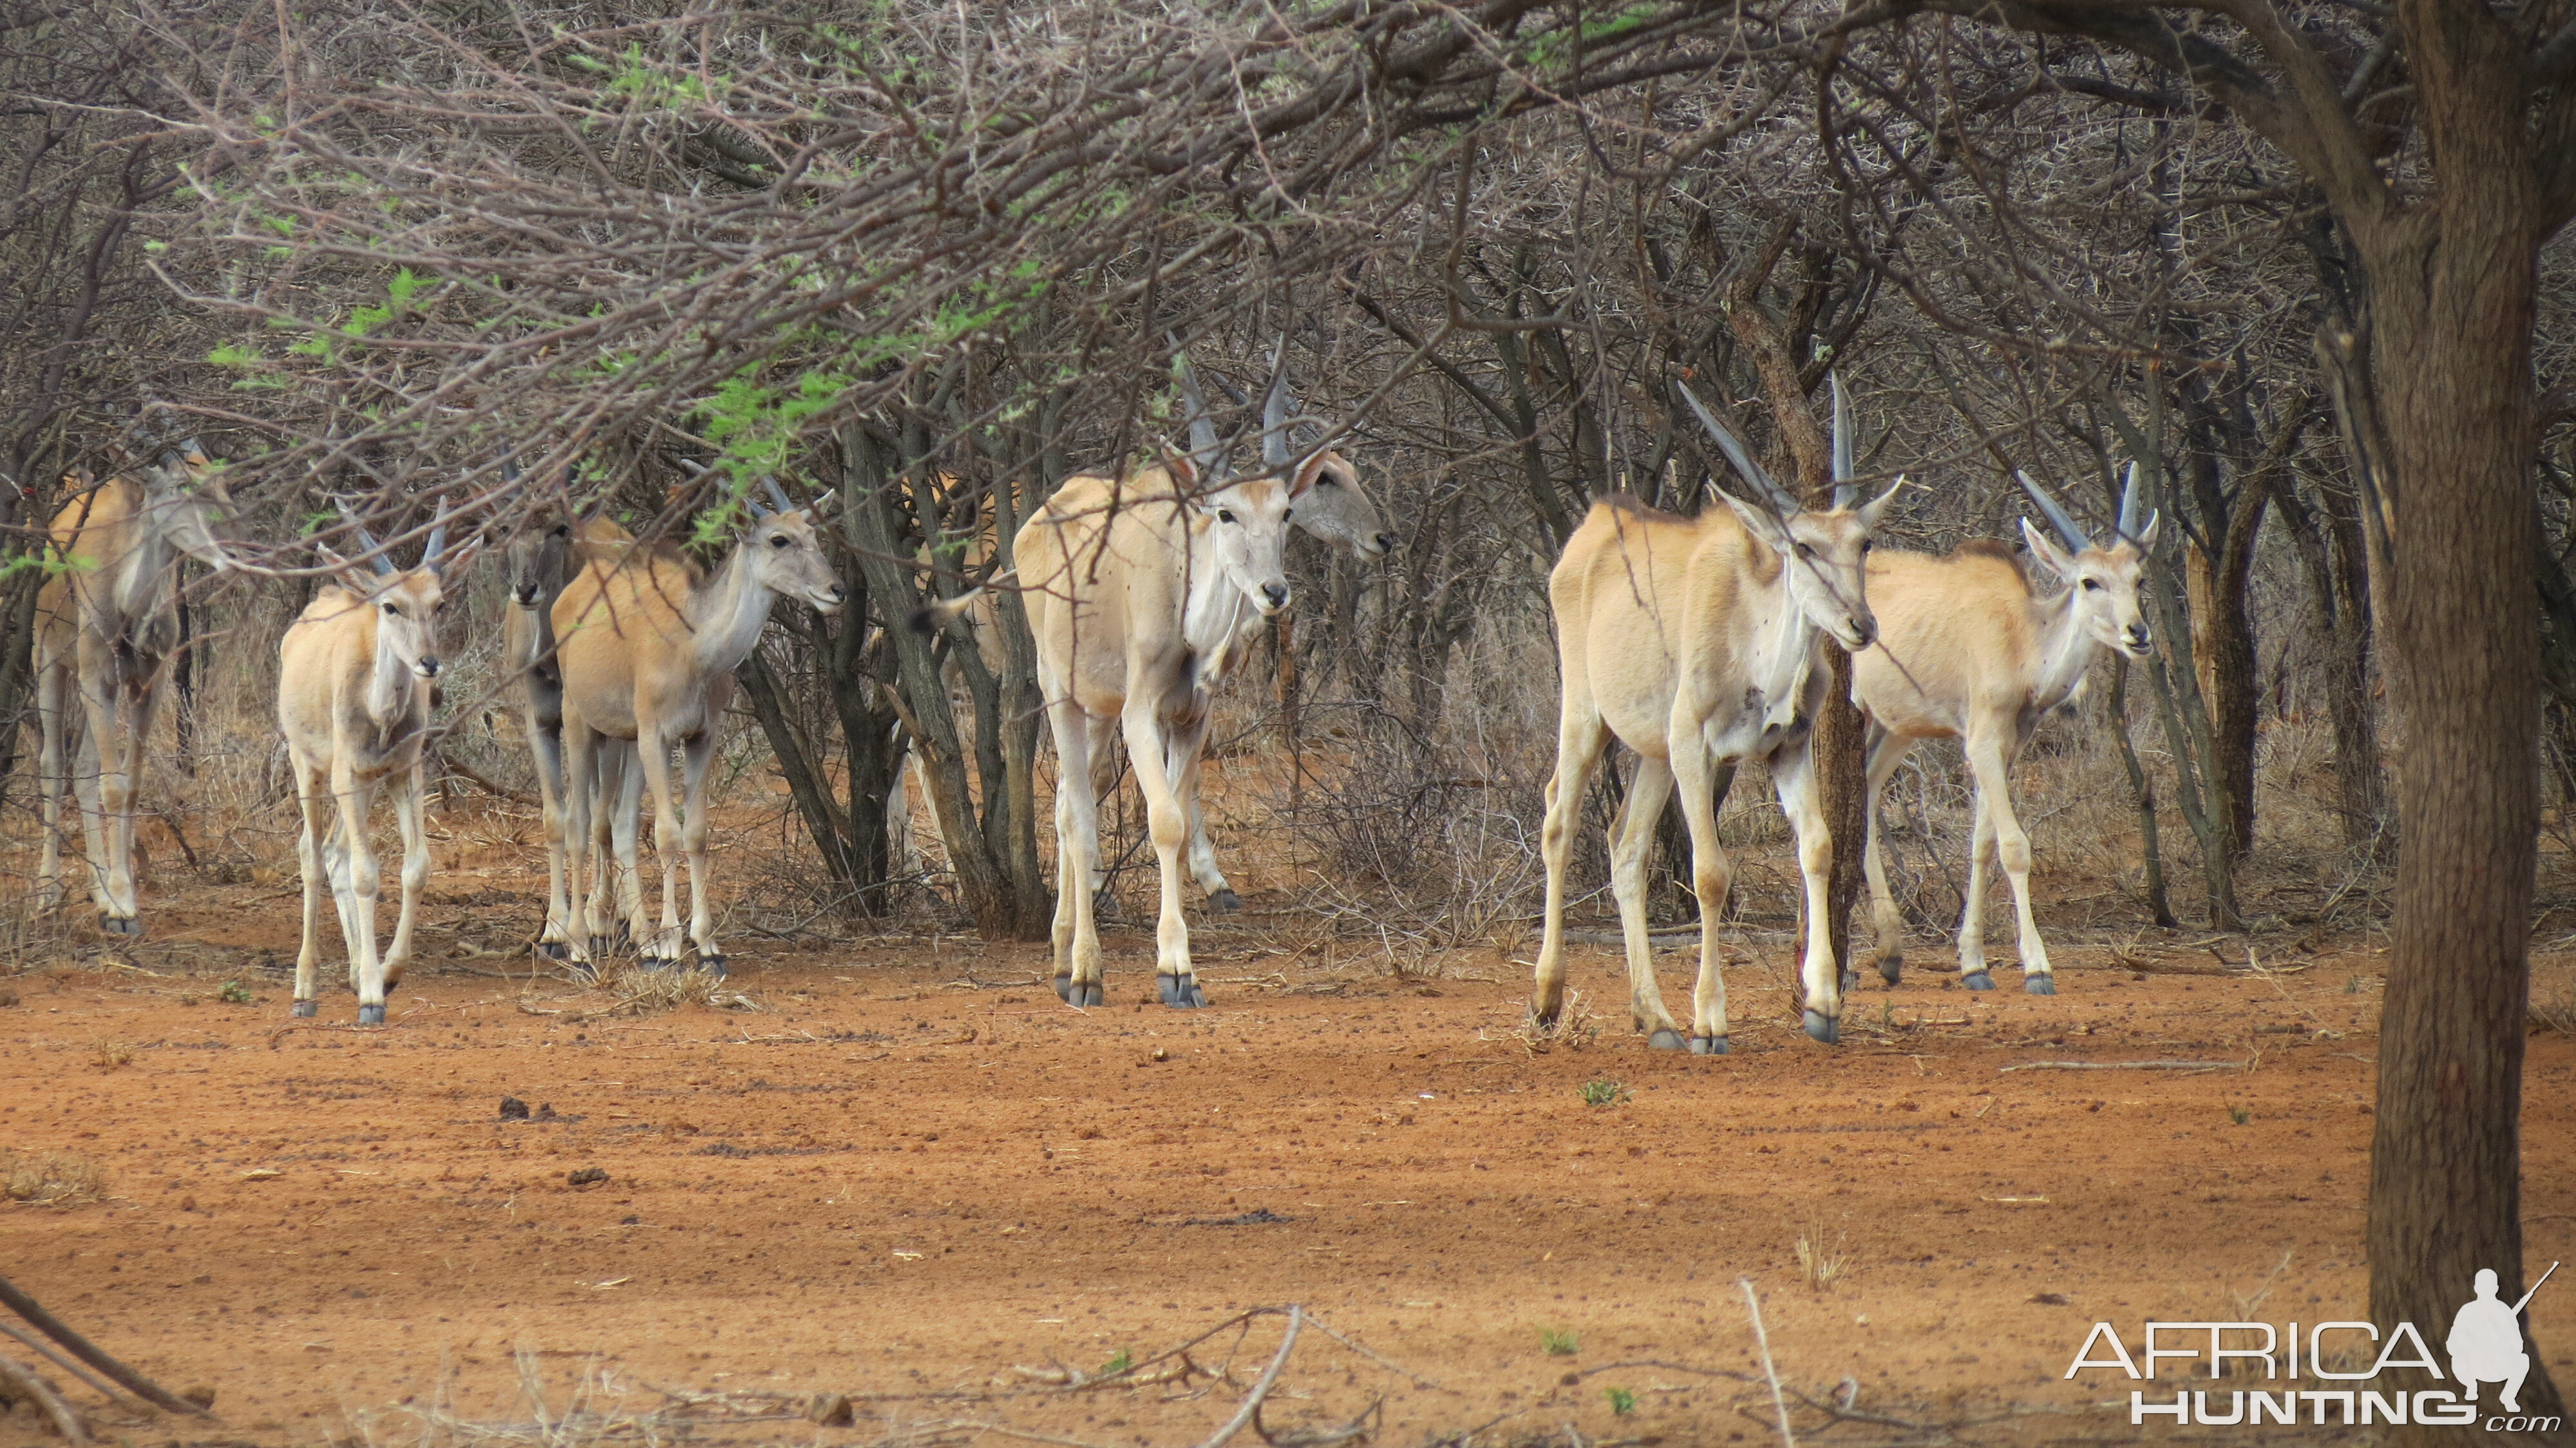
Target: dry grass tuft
[639, 990]
[1818, 1263]
[111, 1055]
[51, 1179]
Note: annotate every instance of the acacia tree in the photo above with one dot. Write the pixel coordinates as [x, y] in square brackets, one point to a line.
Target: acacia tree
[2441, 136]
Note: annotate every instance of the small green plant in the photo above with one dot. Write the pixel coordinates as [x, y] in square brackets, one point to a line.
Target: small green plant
[1622, 1401]
[234, 993]
[2239, 1114]
[1119, 1364]
[1604, 1092]
[1558, 1344]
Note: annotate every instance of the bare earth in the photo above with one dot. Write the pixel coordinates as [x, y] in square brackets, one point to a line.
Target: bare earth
[910, 1173]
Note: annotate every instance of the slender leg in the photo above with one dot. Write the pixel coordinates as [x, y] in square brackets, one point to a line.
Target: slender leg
[1886, 752]
[1077, 847]
[1710, 877]
[624, 785]
[1632, 835]
[580, 798]
[1793, 772]
[1149, 760]
[1972, 916]
[547, 747]
[655, 756]
[2012, 847]
[409, 794]
[1580, 738]
[903, 857]
[50, 679]
[100, 795]
[695, 755]
[311, 805]
[1100, 735]
[1202, 854]
[142, 703]
[355, 797]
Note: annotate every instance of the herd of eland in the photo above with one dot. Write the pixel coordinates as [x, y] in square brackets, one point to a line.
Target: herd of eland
[1694, 641]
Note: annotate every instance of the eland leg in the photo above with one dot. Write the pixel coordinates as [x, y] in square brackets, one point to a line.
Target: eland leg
[1076, 934]
[2012, 848]
[1150, 751]
[1793, 772]
[311, 806]
[1580, 738]
[1711, 876]
[1632, 837]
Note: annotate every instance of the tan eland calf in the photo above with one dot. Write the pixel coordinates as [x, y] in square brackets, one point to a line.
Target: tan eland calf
[353, 698]
[1968, 650]
[1691, 641]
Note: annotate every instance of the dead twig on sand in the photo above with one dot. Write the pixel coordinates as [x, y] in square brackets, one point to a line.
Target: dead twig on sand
[80, 1347]
[2125, 1066]
[62, 1360]
[1762, 1340]
[25, 1383]
[1251, 1406]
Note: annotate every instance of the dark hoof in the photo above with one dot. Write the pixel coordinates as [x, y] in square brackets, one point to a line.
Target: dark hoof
[304, 1009]
[553, 949]
[1225, 902]
[121, 925]
[1180, 992]
[657, 962]
[1824, 1028]
[1892, 969]
[2040, 984]
[1851, 979]
[1666, 1039]
[713, 965]
[1977, 980]
[1078, 994]
[371, 1015]
[1708, 1045]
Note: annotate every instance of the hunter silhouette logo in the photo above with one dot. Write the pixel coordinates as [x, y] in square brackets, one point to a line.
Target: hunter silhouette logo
[2486, 1341]
[2345, 1360]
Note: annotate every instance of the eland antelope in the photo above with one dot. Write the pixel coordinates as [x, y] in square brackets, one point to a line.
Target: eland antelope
[353, 698]
[1692, 641]
[542, 557]
[107, 629]
[1968, 650]
[1140, 592]
[648, 646]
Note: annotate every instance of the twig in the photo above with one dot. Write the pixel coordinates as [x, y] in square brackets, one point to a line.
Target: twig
[454, 765]
[24, 1379]
[2125, 1066]
[1762, 1340]
[88, 1352]
[1261, 1385]
[57, 1357]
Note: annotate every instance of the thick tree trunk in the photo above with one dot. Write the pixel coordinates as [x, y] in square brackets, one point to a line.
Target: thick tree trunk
[2222, 649]
[2340, 597]
[2450, 315]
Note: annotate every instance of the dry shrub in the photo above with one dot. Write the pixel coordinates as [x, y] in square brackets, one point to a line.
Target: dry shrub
[110, 1055]
[639, 989]
[51, 1179]
[1819, 1263]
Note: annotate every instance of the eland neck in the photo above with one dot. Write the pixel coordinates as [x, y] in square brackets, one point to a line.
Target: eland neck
[726, 613]
[2065, 649]
[396, 698]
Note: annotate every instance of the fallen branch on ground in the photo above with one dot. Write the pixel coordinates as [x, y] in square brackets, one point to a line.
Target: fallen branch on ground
[2125, 1066]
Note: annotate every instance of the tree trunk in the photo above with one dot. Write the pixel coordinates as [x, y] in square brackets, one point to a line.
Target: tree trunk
[2222, 649]
[2143, 790]
[2446, 333]
[2340, 598]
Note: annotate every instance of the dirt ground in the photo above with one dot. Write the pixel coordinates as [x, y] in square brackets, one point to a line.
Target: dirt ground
[902, 1172]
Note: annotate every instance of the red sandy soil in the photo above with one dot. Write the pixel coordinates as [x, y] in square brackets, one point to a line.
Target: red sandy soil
[909, 1172]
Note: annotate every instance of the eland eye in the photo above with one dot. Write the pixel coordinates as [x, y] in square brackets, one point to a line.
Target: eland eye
[1287, 513]
[2092, 586]
[1327, 481]
[389, 608]
[1806, 552]
[1224, 516]
[777, 540]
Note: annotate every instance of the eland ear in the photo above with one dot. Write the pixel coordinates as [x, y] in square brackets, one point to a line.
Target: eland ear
[1870, 511]
[2045, 549]
[1307, 472]
[348, 575]
[1183, 468]
[1760, 522]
